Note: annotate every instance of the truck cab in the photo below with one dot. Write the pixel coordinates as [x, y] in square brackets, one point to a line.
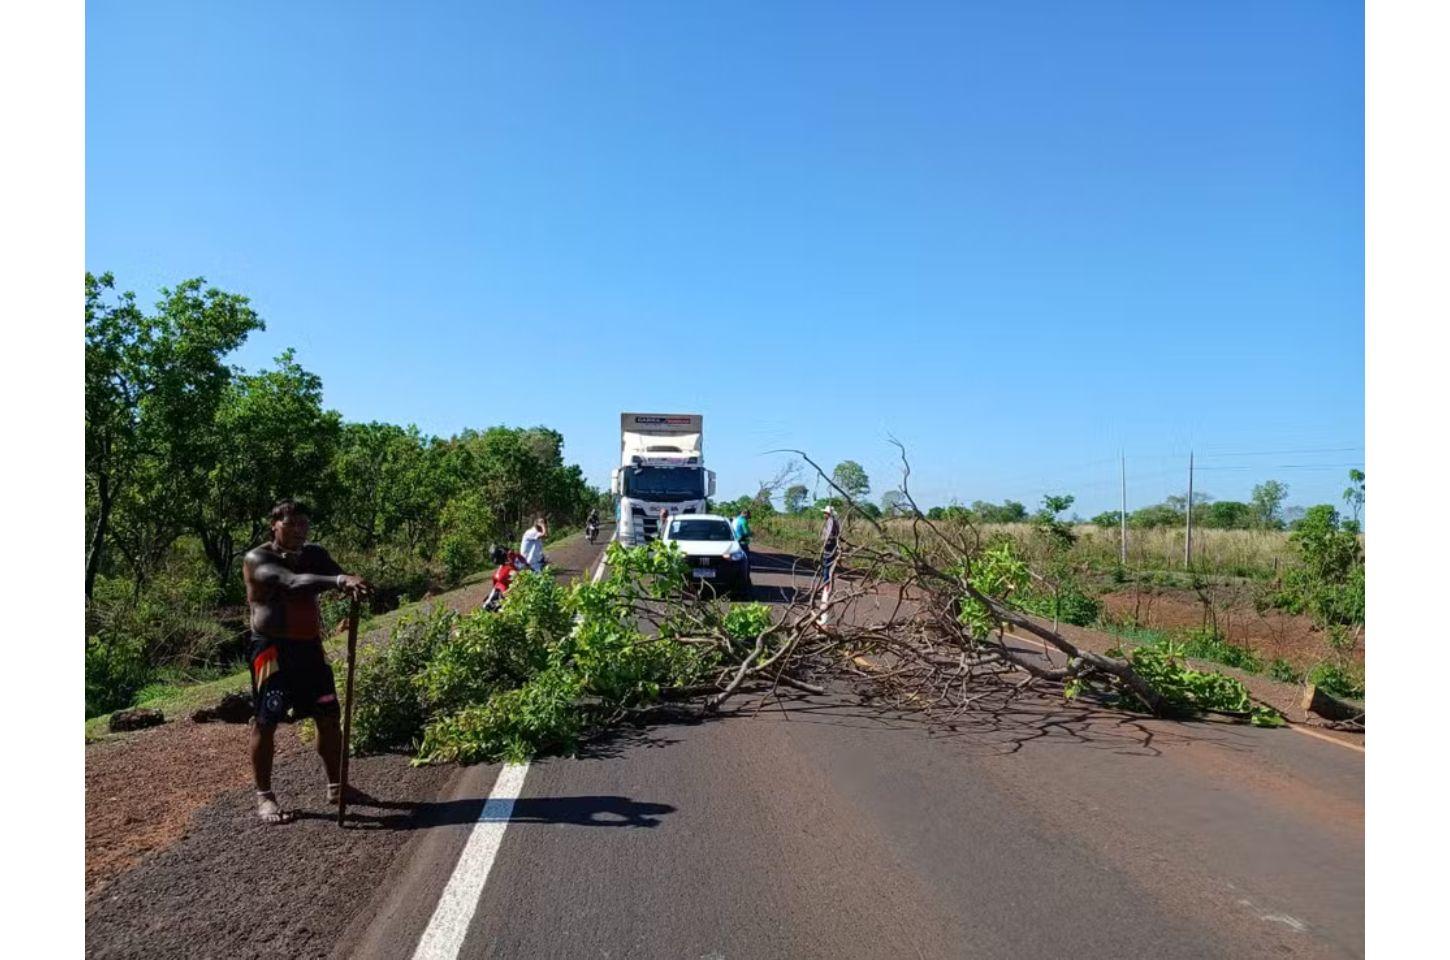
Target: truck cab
[661, 468]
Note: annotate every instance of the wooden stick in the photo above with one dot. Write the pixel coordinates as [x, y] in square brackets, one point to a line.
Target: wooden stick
[347, 709]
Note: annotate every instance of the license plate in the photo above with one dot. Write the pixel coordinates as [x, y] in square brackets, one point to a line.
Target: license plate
[703, 572]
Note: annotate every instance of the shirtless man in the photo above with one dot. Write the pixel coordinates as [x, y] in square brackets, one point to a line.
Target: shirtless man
[289, 669]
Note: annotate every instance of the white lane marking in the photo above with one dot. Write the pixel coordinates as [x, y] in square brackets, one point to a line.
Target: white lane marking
[1326, 738]
[444, 936]
[1293, 923]
[599, 571]
[1298, 926]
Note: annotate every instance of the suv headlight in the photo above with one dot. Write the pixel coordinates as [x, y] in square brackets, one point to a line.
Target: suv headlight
[735, 553]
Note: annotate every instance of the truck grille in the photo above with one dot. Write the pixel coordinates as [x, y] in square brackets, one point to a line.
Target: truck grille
[647, 525]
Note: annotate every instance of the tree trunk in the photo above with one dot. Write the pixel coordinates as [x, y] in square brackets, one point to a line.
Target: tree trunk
[98, 539]
[218, 550]
[1331, 708]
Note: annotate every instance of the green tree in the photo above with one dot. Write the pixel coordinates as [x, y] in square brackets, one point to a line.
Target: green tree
[270, 438]
[851, 477]
[1008, 511]
[153, 384]
[1328, 581]
[382, 470]
[894, 503]
[1158, 515]
[1058, 531]
[1108, 519]
[1328, 552]
[117, 374]
[1268, 503]
[761, 504]
[1226, 515]
[520, 473]
[956, 513]
[795, 498]
[1354, 495]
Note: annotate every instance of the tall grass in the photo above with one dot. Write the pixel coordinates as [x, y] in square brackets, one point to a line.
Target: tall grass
[1237, 553]
[1242, 553]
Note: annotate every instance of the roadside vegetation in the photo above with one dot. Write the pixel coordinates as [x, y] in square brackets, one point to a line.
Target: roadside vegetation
[1247, 557]
[557, 663]
[186, 453]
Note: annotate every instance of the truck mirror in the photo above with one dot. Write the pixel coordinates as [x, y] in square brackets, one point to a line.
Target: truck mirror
[710, 481]
[614, 482]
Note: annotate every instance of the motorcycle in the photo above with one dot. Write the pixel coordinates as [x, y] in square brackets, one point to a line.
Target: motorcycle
[509, 562]
[591, 530]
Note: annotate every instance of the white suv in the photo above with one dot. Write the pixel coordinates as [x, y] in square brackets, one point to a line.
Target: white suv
[714, 555]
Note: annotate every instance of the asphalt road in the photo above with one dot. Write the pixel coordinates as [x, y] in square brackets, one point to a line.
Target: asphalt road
[822, 828]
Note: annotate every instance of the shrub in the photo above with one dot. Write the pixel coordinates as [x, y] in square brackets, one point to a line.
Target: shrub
[116, 668]
[1206, 644]
[460, 556]
[1283, 671]
[1328, 583]
[1337, 680]
[171, 618]
[390, 710]
[396, 574]
[1068, 603]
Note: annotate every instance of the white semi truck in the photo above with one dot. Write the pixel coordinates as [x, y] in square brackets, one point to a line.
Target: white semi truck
[661, 467]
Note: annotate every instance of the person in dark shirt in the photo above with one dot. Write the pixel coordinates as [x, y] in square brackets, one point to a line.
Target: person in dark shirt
[291, 678]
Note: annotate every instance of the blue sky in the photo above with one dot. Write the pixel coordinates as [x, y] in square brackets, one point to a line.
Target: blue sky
[1019, 237]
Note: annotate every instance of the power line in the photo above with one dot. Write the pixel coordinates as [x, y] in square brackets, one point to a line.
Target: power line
[1290, 466]
[1274, 453]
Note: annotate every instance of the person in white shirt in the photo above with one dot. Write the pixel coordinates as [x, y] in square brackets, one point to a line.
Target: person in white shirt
[532, 546]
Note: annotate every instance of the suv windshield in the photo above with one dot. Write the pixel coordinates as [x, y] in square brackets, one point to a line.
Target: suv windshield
[700, 530]
[664, 483]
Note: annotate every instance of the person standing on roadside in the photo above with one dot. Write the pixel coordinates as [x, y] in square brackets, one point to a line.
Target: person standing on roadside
[290, 673]
[741, 527]
[532, 545]
[830, 545]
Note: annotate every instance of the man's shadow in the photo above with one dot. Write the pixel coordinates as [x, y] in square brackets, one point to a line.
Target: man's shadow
[581, 811]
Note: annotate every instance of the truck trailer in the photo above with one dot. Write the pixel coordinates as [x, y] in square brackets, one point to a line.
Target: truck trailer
[661, 467]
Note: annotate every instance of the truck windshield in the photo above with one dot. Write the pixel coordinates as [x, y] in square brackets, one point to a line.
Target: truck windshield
[700, 530]
[664, 483]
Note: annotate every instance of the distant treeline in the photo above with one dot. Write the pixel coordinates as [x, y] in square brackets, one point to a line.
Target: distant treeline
[1264, 511]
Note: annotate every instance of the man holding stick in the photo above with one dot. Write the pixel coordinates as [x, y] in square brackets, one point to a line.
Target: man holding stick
[290, 673]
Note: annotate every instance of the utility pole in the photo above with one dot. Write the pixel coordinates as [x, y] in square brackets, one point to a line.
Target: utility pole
[1188, 541]
[1123, 513]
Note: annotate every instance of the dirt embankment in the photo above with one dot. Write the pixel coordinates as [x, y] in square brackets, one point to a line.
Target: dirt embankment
[1271, 634]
